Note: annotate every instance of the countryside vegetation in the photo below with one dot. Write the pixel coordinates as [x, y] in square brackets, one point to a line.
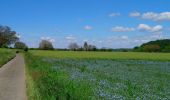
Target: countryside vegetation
[87, 72]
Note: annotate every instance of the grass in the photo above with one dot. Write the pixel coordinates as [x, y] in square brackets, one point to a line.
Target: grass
[6, 55]
[60, 75]
[103, 55]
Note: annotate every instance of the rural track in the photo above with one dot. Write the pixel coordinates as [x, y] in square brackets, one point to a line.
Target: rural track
[12, 80]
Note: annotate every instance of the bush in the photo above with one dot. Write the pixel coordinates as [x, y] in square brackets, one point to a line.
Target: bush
[17, 51]
[26, 49]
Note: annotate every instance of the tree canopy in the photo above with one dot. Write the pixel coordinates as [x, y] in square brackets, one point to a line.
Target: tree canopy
[7, 36]
[20, 45]
[155, 46]
[46, 45]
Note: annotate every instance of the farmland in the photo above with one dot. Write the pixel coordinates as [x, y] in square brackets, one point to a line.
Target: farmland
[103, 55]
[55, 75]
[6, 55]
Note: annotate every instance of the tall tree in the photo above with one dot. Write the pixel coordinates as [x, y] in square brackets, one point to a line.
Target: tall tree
[85, 46]
[46, 45]
[7, 36]
[73, 46]
[20, 45]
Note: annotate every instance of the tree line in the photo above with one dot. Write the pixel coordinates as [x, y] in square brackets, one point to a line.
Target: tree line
[155, 46]
[9, 37]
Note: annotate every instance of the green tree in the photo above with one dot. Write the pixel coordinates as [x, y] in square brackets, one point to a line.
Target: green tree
[73, 46]
[20, 45]
[7, 36]
[85, 46]
[46, 45]
[151, 48]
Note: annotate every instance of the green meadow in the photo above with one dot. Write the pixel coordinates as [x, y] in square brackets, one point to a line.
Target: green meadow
[6, 55]
[68, 75]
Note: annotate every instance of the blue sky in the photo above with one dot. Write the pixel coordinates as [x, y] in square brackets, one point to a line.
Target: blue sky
[104, 23]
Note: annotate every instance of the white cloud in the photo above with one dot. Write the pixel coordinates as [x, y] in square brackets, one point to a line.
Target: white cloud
[118, 38]
[88, 27]
[147, 28]
[124, 37]
[114, 14]
[150, 15]
[70, 38]
[134, 14]
[163, 16]
[122, 29]
[48, 39]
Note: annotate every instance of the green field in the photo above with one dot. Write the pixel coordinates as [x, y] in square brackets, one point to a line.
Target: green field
[103, 55]
[63, 75]
[5, 56]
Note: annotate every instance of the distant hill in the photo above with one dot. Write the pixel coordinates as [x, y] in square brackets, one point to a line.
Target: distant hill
[155, 46]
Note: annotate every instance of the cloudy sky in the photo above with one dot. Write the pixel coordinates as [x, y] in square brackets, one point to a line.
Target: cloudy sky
[104, 23]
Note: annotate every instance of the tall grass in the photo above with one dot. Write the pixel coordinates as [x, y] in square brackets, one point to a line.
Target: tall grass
[6, 55]
[44, 82]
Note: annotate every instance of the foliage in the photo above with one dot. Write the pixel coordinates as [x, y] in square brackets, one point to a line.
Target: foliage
[20, 45]
[7, 36]
[155, 46]
[26, 49]
[85, 46]
[151, 48]
[46, 45]
[73, 46]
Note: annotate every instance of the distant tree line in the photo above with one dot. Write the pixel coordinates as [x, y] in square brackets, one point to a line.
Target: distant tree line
[85, 47]
[155, 46]
[9, 37]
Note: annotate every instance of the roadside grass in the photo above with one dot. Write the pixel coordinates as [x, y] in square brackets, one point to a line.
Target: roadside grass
[51, 76]
[43, 82]
[6, 55]
[103, 55]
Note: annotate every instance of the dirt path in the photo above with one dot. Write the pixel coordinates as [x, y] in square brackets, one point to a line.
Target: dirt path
[12, 80]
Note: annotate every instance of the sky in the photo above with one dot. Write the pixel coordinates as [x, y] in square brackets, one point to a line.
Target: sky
[104, 23]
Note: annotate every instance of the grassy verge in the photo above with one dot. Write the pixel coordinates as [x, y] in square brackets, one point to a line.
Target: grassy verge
[6, 55]
[43, 82]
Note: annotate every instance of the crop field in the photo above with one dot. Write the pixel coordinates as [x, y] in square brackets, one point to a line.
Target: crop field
[63, 75]
[103, 55]
[5, 56]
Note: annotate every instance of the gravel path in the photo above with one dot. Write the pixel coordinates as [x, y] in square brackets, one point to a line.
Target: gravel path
[12, 80]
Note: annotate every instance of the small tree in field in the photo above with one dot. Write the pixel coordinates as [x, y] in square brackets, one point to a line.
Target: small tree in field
[46, 45]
